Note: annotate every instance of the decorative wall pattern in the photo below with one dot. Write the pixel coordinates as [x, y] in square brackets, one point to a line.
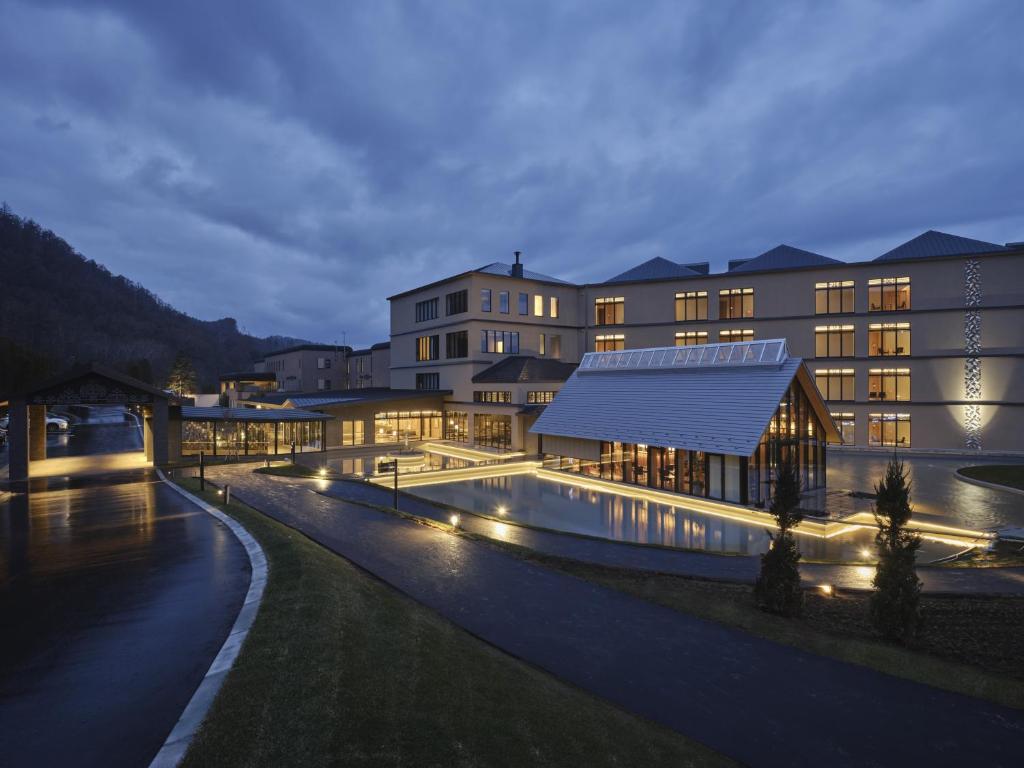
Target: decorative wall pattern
[972, 352]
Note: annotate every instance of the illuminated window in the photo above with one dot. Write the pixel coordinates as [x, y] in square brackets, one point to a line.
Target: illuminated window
[427, 347]
[426, 310]
[491, 396]
[835, 383]
[691, 305]
[456, 426]
[611, 342]
[888, 294]
[746, 334]
[846, 423]
[735, 303]
[833, 341]
[492, 430]
[538, 306]
[553, 304]
[485, 299]
[833, 298]
[888, 339]
[610, 310]
[691, 338]
[889, 384]
[353, 432]
[889, 429]
[534, 397]
[500, 342]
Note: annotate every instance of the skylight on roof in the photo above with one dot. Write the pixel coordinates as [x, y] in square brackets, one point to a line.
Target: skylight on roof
[737, 353]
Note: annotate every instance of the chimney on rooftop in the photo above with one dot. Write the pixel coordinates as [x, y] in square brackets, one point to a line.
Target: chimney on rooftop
[517, 268]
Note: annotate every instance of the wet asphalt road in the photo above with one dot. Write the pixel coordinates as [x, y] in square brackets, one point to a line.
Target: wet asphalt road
[116, 595]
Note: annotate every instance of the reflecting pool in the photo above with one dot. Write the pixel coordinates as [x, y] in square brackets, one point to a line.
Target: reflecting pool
[559, 506]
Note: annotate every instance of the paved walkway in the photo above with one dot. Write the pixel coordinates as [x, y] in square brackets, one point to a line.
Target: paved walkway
[742, 568]
[762, 703]
[115, 596]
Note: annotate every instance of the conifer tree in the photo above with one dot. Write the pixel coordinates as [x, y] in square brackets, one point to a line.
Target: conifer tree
[183, 376]
[778, 586]
[895, 603]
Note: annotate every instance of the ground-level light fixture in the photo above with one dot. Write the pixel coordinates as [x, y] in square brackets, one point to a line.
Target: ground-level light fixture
[454, 520]
[828, 590]
[865, 552]
[323, 472]
[502, 509]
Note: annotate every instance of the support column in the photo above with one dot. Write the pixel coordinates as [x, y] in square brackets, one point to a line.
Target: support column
[17, 436]
[36, 432]
[159, 428]
[147, 433]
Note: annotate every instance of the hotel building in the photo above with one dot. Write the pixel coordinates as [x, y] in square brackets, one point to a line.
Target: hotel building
[919, 348]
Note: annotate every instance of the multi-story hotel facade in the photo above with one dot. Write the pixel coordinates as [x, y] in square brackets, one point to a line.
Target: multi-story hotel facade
[920, 348]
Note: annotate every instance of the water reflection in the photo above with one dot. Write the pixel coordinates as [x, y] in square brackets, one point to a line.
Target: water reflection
[548, 504]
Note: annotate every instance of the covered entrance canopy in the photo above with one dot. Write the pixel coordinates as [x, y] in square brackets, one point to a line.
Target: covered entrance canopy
[90, 384]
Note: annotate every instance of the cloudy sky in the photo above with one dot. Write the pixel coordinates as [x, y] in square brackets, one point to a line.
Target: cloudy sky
[291, 164]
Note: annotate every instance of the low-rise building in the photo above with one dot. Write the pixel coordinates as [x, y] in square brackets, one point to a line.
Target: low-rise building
[308, 367]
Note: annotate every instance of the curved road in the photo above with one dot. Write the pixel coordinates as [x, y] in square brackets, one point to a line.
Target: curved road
[116, 594]
[762, 703]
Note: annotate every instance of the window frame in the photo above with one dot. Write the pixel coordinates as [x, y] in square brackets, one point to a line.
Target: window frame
[609, 342]
[610, 310]
[456, 302]
[738, 303]
[840, 384]
[485, 299]
[884, 294]
[889, 339]
[842, 336]
[841, 292]
[697, 337]
[428, 345]
[697, 301]
[456, 341]
[883, 380]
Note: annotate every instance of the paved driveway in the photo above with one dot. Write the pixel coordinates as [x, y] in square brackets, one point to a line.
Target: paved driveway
[116, 594]
[762, 703]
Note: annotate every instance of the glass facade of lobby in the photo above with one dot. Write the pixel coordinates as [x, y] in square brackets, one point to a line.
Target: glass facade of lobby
[795, 432]
[396, 426]
[249, 438]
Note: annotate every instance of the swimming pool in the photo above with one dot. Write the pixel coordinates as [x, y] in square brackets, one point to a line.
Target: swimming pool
[544, 503]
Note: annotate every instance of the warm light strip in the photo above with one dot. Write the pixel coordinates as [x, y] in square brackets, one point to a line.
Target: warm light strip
[414, 479]
[469, 454]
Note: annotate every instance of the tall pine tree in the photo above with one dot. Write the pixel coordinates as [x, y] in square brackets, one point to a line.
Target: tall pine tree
[895, 604]
[182, 380]
[778, 586]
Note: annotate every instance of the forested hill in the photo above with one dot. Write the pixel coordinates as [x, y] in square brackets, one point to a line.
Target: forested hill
[58, 308]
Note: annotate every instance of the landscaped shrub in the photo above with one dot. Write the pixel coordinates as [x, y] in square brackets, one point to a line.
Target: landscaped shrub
[778, 586]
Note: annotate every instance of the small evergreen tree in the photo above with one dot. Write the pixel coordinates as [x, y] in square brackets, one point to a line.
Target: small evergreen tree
[778, 586]
[183, 375]
[895, 603]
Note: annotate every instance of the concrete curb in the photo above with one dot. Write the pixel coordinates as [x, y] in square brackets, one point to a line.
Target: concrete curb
[174, 748]
[982, 483]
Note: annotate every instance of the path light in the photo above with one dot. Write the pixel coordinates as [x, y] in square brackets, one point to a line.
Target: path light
[323, 472]
[454, 520]
[865, 552]
[502, 509]
[827, 590]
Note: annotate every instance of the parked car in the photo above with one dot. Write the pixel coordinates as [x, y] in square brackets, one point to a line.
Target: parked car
[3, 437]
[56, 423]
[4, 421]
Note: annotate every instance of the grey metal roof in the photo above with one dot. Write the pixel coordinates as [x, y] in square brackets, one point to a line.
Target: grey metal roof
[784, 257]
[523, 369]
[360, 395]
[932, 243]
[500, 268]
[215, 413]
[654, 269]
[714, 397]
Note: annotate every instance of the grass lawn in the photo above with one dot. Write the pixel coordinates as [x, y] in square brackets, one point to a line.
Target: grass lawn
[1001, 474]
[341, 669]
[971, 645]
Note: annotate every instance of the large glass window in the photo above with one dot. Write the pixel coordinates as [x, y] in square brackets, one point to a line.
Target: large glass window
[491, 396]
[492, 431]
[500, 342]
[539, 396]
[456, 426]
[352, 432]
[396, 426]
[833, 341]
[609, 342]
[456, 344]
[485, 299]
[846, 423]
[196, 437]
[736, 334]
[691, 305]
[888, 294]
[538, 305]
[524, 303]
[456, 303]
[889, 429]
[886, 339]
[889, 384]
[833, 297]
[503, 307]
[426, 310]
[735, 303]
[691, 338]
[835, 383]
[610, 310]
[427, 347]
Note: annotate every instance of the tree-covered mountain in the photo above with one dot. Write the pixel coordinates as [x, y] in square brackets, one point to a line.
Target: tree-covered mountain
[58, 308]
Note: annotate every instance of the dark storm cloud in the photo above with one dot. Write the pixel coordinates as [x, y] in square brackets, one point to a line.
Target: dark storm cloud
[291, 164]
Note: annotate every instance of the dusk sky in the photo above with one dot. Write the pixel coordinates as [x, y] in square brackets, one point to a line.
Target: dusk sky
[292, 164]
